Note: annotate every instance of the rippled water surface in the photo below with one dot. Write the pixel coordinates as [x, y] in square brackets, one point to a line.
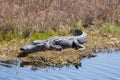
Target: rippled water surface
[106, 66]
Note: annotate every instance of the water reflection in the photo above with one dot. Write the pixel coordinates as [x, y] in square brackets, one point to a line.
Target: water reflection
[103, 67]
[9, 64]
[5, 65]
[34, 65]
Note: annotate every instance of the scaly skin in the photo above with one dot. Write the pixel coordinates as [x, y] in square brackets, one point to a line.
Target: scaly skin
[57, 43]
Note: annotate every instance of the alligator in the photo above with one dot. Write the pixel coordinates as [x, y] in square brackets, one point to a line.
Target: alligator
[58, 43]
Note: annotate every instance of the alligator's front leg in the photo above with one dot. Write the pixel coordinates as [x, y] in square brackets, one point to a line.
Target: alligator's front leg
[56, 47]
[78, 45]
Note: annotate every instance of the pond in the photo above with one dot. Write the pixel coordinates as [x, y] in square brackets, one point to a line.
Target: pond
[105, 66]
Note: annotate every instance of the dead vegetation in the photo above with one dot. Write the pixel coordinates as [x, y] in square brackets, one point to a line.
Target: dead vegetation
[27, 16]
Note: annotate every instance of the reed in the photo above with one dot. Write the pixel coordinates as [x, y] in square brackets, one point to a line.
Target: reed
[25, 17]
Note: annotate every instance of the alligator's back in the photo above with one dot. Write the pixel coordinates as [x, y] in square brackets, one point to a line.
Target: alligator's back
[80, 36]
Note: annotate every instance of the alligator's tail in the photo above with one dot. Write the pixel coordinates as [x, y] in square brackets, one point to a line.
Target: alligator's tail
[81, 35]
[77, 32]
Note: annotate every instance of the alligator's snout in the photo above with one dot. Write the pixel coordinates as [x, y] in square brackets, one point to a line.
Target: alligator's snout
[32, 48]
[27, 48]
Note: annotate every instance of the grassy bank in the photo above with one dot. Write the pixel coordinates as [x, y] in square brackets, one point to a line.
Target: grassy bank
[23, 21]
[105, 37]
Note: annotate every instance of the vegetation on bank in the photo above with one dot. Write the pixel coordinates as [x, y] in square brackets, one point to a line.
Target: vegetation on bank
[108, 28]
[111, 28]
[98, 38]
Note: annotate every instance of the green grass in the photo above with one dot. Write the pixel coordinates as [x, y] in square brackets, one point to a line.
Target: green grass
[29, 35]
[8, 36]
[41, 36]
[111, 28]
[10, 39]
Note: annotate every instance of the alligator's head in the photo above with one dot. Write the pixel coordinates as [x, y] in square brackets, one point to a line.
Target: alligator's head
[34, 47]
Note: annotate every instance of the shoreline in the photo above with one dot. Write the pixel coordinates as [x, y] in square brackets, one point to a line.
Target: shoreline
[96, 42]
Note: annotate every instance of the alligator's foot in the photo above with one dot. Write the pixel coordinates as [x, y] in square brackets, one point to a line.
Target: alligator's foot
[81, 48]
[56, 47]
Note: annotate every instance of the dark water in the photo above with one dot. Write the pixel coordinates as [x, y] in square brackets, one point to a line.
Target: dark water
[105, 66]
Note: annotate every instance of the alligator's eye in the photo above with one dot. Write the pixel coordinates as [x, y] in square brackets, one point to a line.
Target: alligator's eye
[34, 43]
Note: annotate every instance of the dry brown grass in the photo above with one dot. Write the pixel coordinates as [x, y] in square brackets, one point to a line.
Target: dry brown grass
[25, 16]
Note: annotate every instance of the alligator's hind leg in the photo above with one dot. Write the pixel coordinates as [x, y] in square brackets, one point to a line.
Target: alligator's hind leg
[82, 47]
[79, 46]
[56, 47]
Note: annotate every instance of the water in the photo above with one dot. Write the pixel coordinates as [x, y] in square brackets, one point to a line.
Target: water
[103, 67]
